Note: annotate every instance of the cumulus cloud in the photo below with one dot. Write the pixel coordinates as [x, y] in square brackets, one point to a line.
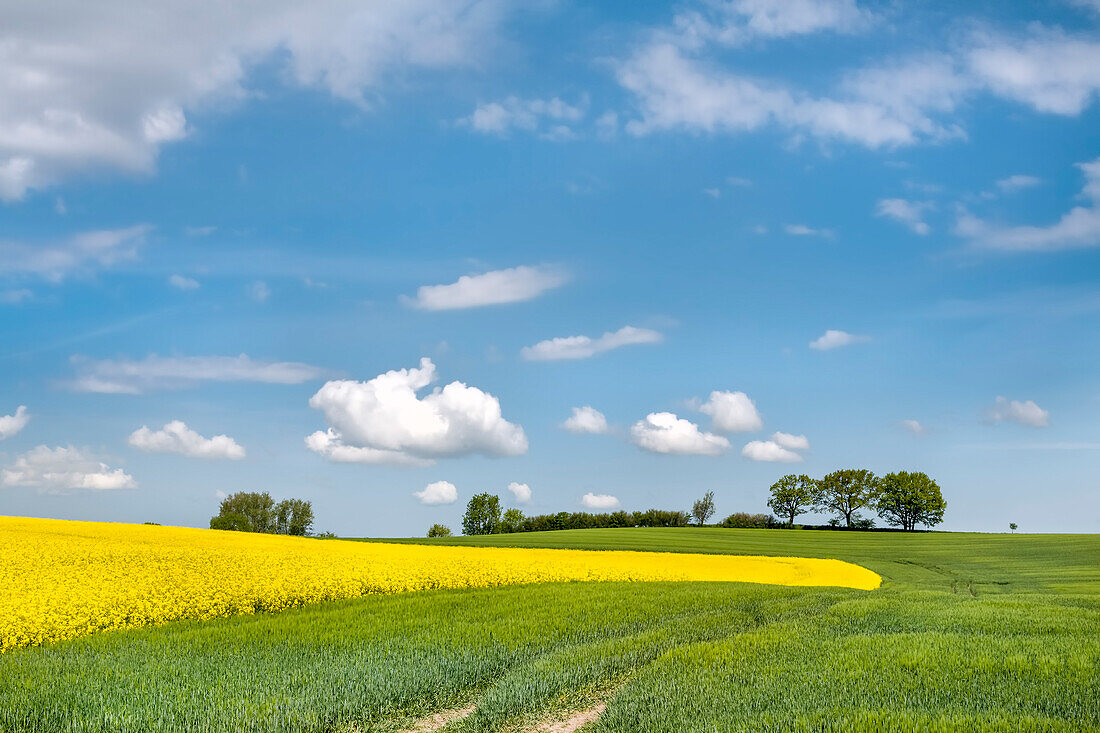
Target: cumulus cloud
[521, 492]
[1076, 229]
[176, 437]
[439, 492]
[548, 117]
[770, 451]
[81, 253]
[909, 213]
[791, 442]
[583, 347]
[329, 444]
[739, 21]
[1023, 412]
[116, 81]
[179, 282]
[513, 285]
[732, 412]
[833, 339]
[56, 470]
[599, 501]
[125, 376]
[11, 424]
[586, 420]
[383, 420]
[664, 432]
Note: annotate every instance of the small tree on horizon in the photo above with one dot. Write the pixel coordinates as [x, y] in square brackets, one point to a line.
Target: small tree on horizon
[293, 517]
[1012, 526]
[906, 499]
[703, 509]
[512, 520]
[245, 511]
[846, 491]
[482, 515]
[439, 530]
[793, 495]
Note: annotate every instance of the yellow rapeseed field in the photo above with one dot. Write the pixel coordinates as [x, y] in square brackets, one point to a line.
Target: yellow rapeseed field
[63, 579]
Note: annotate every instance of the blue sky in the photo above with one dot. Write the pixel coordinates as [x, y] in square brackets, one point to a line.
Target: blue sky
[795, 236]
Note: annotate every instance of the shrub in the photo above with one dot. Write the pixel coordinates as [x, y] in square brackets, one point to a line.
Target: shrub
[744, 520]
[439, 530]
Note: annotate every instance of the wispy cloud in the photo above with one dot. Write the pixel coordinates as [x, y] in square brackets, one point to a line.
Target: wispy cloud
[86, 252]
[496, 287]
[834, 339]
[126, 376]
[583, 347]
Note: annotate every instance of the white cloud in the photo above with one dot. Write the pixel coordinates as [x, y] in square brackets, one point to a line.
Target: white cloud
[1076, 229]
[663, 432]
[583, 347]
[714, 193]
[801, 230]
[329, 444]
[513, 285]
[259, 291]
[739, 21]
[732, 412]
[770, 451]
[678, 84]
[529, 115]
[15, 296]
[913, 426]
[439, 492]
[521, 492]
[126, 376]
[179, 282]
[383, 420]
[791, 442]
[1049, 70]
[81, 253]
[113, 83]
[586, 420]
[1023, 412]
[599, 501]
[55, 470]
[11, 424]
[1017, 182]
[909, 213]
[833, 339]
[176, 437]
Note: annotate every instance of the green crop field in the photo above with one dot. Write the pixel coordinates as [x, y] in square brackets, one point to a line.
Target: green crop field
[968, 632]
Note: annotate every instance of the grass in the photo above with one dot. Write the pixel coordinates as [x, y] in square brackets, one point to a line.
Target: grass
[1022, 653]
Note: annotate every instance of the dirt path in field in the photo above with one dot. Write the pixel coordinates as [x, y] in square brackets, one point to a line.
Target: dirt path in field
[574, 722]
[442, 719]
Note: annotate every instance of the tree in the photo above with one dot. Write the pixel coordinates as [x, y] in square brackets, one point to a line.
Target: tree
[793, 495]
[482, 515]
[439, 530]
[847, 491]
[293, 517]
[1012, 526]
[512, 521]
[248, 511]
[906, 499]
[703, 509]
[233, 522]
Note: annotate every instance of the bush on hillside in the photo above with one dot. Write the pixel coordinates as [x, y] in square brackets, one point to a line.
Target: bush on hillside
[744, 520]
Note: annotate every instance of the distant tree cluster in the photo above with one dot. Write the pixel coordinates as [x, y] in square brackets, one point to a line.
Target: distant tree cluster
[248, 511]
[901, 499]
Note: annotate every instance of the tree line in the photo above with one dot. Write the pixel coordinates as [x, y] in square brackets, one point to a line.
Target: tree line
[901, 499]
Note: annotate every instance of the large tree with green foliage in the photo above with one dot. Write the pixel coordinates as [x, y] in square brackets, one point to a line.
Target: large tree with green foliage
[907, 499]
[293, 517]
[703, 509]
[482, 515]
[250, 511]
[793, 495]
[846, 491]
[512, 521]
